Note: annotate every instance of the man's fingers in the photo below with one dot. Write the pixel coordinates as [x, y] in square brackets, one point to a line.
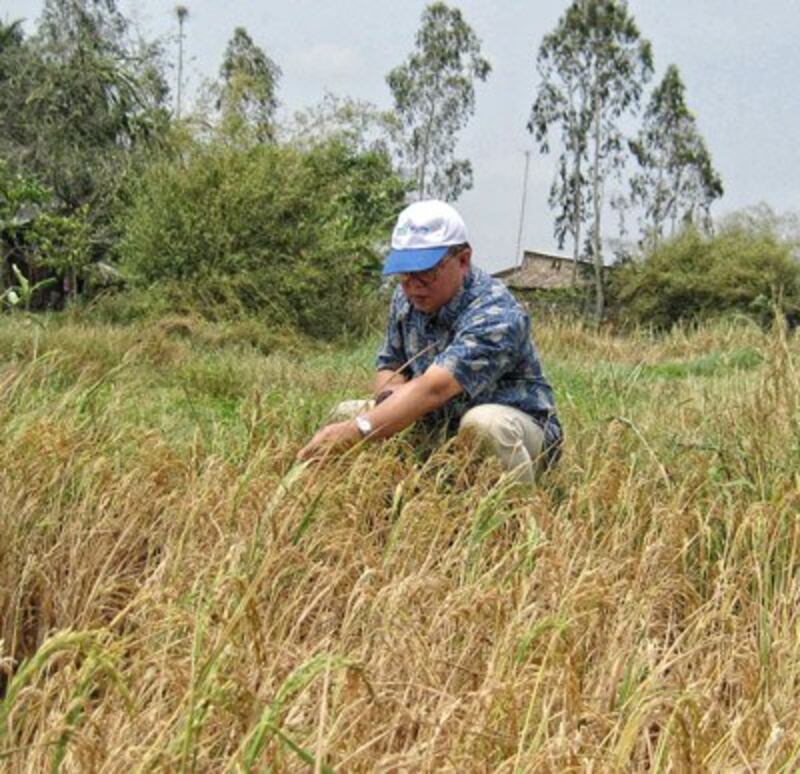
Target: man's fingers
[308, 451]
[317, 446]
[339, 434]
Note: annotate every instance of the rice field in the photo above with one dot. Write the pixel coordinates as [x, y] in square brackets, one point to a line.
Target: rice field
[177, 595]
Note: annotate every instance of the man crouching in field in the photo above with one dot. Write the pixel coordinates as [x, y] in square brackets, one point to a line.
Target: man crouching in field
[458, 353]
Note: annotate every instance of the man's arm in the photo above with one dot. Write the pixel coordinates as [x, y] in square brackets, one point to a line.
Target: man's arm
[413, 400]
[386, 382]
[403, 407]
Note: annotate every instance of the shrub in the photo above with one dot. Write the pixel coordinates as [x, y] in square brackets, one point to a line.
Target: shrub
[41, 247]
[694, 277]
[291, 235]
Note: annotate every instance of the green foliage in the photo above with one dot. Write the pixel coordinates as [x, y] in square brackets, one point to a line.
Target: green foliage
[356, 123]
[434, 97]
[63, 244]
[35, 238]
[18, 195]
[20, 198]
[562, 101]
[247, 91]
[22, 294]
[692, 277]
[762, 219]
[676, 181]
[78, 99]
[290, 235]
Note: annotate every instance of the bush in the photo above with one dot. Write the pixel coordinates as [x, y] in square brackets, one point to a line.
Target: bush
[291, 235]
[694, 277]
[42, 248]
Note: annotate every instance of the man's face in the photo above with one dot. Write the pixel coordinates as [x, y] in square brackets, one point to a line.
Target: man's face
[428, 291]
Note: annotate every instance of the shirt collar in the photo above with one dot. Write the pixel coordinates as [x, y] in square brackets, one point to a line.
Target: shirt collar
[449, 313]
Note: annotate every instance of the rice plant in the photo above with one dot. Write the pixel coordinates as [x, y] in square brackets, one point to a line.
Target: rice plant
[177, 594]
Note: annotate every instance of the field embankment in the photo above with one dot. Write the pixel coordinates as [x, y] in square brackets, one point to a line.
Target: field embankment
[173, 596]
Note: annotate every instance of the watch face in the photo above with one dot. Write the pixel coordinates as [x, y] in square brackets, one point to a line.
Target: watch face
[364, 425]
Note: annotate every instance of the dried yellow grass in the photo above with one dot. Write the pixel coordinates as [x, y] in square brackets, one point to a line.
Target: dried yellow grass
[174, 595]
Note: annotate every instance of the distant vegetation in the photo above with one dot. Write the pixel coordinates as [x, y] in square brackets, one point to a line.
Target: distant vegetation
[219, 209]
[694, 276]
[222, 210]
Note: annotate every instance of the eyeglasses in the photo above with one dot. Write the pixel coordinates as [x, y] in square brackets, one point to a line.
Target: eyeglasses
[429, 276]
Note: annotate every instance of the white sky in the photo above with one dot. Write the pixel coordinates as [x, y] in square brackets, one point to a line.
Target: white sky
[738, 59]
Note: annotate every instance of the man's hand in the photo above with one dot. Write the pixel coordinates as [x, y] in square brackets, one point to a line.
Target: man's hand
[407, 403]
[336, 437]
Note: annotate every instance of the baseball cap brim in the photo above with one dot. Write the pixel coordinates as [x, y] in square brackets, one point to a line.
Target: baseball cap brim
[401, 261]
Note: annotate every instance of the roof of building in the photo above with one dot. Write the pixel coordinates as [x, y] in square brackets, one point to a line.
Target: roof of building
[534, 254]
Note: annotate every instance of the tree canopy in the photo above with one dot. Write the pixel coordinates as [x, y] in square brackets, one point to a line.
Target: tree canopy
[434, 97]
[676, 181]
[248, 88]
[77, 97]
[695, 276]
[291, 234]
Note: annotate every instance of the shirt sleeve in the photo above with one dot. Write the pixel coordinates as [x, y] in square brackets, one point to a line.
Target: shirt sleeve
[391, 354]
[487, 344]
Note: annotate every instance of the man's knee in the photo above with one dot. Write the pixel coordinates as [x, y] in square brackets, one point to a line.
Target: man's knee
[491, 423]
[510, 432]
[480, 422]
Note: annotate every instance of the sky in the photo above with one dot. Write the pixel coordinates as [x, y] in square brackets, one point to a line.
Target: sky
[738, 60]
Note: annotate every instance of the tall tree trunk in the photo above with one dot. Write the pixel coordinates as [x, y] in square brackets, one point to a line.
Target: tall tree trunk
[676, 194]
[426, 147]
[577, 214]
[599, 299]
[659, 211]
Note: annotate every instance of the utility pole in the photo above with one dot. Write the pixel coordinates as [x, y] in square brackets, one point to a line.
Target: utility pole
[181, 12]
[518, 256]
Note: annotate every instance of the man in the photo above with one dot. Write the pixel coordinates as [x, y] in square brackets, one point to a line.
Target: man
[458, 353]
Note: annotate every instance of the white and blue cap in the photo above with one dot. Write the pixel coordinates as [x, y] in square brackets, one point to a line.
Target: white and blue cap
[424, 232]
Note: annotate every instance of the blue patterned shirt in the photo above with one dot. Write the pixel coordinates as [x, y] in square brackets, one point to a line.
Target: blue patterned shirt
[482, 337]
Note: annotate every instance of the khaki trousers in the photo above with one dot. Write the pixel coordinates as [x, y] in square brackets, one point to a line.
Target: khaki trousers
[514, 437]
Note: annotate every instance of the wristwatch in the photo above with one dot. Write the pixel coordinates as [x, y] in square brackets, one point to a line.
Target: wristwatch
[364, 425]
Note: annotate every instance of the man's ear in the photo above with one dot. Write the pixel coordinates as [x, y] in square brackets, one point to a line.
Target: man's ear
[464, 257]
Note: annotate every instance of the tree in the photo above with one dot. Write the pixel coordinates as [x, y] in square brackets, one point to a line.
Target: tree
[676, 180]
[39, 247]
[563, 99]
[20, 201]
[595, 65]
[761, 218]
[11, 36]
[14, 55]
[78, 97]
[434, 97]
[78, 100]
[247, 92]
